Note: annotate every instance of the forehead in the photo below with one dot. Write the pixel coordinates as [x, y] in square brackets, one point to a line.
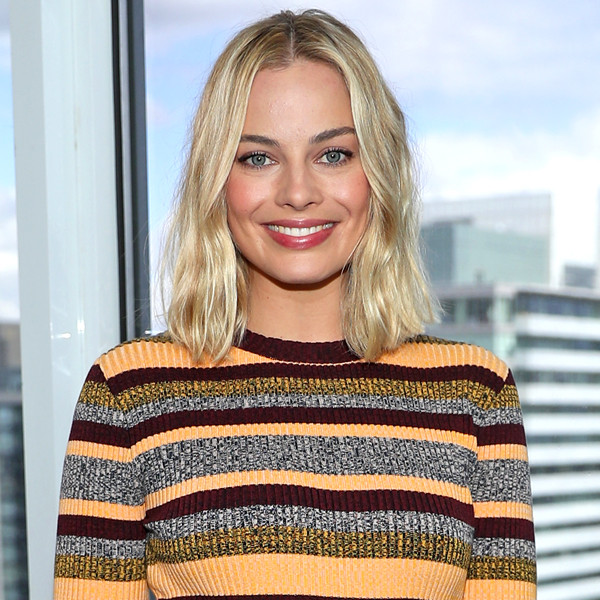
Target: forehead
[303, 94]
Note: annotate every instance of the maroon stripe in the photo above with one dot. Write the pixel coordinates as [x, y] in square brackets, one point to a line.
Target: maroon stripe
[292, 495]
[506, 433]
[504, 528]
[96, 527]
[96, 375]
[88, 431]
[171, 421]
[476, 374]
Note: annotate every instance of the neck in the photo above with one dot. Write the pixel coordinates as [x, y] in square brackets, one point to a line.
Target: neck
[300, 313]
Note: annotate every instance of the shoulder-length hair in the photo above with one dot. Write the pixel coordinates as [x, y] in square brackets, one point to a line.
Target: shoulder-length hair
[386, 297]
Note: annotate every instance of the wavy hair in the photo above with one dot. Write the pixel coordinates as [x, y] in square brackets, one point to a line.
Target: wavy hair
[386, 296]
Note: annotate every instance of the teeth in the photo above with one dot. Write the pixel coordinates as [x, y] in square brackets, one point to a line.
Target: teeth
[299, 231]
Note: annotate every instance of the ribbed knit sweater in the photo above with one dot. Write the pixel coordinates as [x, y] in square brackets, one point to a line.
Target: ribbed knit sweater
[296, 470]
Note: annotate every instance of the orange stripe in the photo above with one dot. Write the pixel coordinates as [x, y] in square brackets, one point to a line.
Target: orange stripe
[499, 589]
[94, 450]
[502, 451]
[68, 589]
[105, 510]
[287, 574]
[303, 429]
[424, 355]
[313, 480]
[513, 510]
[143, 353]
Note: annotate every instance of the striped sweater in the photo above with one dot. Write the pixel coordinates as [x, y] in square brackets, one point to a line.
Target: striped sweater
[296, 470]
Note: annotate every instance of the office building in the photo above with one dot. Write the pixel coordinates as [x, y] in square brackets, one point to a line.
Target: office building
[550, 337]
[13, 546]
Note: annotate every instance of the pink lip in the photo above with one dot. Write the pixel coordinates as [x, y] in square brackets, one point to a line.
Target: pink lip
[300, 243]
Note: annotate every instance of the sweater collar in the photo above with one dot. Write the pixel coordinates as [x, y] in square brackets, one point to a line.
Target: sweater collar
[292, 351]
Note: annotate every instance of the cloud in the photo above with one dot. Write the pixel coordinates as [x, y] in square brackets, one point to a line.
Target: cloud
[8, 219]
[9, 283]
[459, 48]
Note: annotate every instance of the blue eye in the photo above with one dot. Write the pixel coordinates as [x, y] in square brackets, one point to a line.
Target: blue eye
[255, 160]
[333, 156]
[258, 160]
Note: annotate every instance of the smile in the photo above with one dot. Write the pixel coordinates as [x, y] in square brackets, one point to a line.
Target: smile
[299, 231]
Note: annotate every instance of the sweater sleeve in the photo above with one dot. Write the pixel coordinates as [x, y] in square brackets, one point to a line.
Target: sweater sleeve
[502, 565]
[100, 551]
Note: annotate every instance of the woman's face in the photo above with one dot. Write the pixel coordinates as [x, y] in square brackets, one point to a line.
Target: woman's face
[297, 195]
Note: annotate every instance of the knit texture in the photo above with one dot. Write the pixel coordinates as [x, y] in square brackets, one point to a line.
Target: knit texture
[296, 470]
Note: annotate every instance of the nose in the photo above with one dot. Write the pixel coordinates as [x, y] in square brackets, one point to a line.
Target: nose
[298, 189]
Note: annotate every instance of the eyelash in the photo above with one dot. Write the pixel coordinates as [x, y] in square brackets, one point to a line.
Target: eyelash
[346, 156]
[243, 160]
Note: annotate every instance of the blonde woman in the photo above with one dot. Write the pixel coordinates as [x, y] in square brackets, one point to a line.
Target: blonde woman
[293, 434]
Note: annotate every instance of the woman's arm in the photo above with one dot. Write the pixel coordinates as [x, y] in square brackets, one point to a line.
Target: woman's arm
[502, 565]
[101, 538]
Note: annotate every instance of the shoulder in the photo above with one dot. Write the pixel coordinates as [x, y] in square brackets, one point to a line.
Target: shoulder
[155, 352]
[429, 352]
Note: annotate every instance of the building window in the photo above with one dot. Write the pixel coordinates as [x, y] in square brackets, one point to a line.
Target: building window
[479, 310]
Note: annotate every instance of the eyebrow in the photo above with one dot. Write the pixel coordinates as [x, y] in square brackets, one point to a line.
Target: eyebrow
[331, 133]
[259, 139]
[315, 139]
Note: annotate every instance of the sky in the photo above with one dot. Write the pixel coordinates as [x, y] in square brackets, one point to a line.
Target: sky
[501, 98]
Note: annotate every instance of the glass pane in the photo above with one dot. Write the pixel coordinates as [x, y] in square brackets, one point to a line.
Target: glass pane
[13, 541]
[502, 103]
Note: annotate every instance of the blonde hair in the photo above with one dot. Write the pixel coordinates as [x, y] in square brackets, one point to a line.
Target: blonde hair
[387, 298]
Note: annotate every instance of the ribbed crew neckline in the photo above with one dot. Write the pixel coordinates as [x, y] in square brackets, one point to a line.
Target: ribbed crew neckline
[292, 351]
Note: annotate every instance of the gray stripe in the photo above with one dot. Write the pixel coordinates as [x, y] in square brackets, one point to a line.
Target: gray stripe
[304, 517]
[168, 405]
[99, 414]
[485, 418]
[179, 461]
[501, 547]
[502, 480]
[163, 406]
[89, 478]
[84, 546]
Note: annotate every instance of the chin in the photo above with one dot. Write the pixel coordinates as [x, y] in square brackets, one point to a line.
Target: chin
[299, 279]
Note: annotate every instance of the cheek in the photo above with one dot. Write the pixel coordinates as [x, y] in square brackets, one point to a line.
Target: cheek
[357, 194]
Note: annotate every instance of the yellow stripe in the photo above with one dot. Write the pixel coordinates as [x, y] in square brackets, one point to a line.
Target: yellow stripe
[264, 574]
[313, 480]
[502, 451]
[301, 429]
[512, 510]
[496, 589]
[104, 510]
[68, 589]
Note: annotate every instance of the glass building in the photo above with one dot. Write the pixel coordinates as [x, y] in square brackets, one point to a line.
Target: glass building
[550, 337]
[13, 546]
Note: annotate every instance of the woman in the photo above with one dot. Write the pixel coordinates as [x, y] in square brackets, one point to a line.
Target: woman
[292, 434]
